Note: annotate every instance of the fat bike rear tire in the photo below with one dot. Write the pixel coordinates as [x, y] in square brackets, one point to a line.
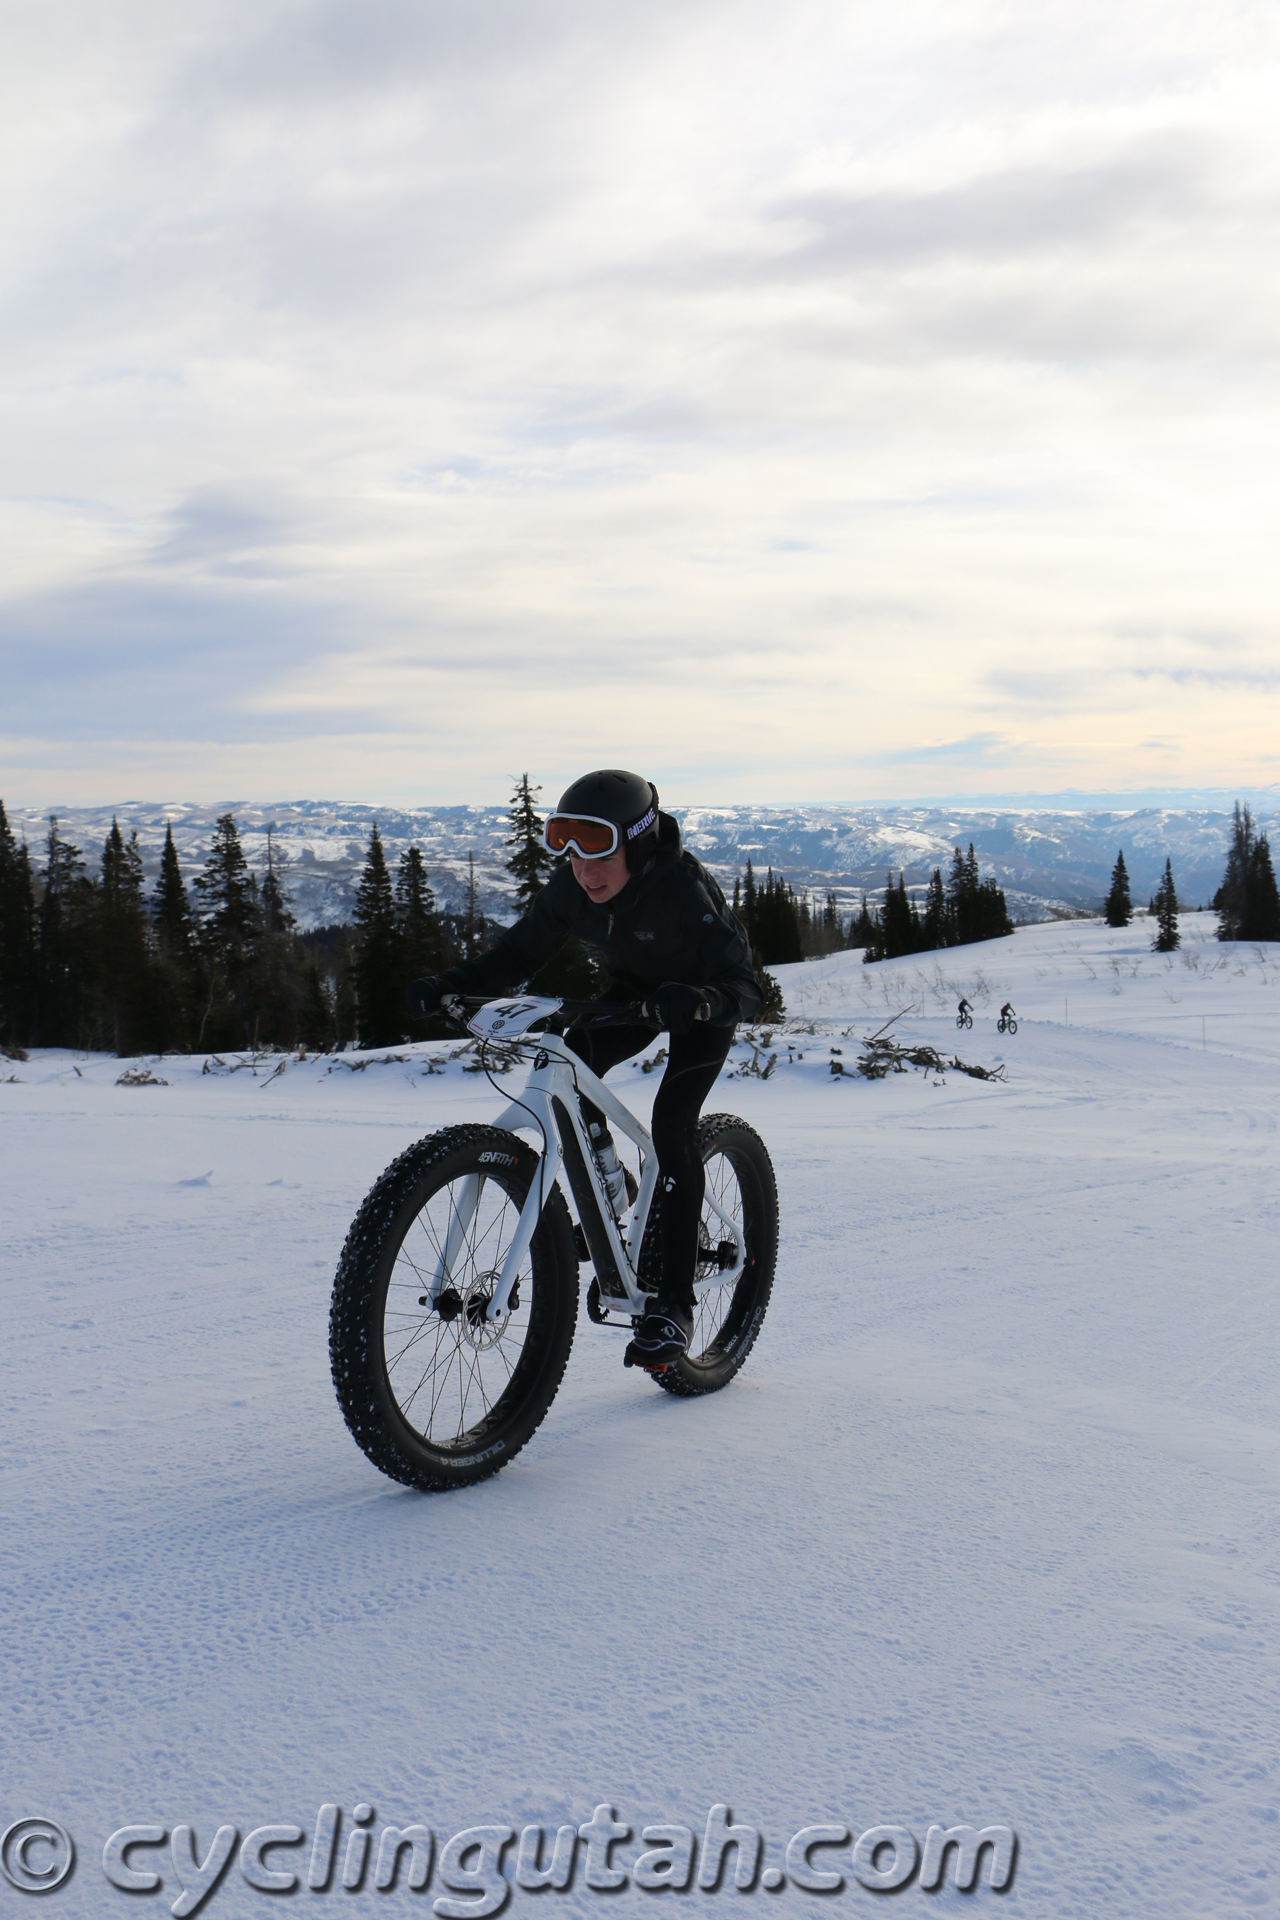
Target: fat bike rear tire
[727, 1320]
[437, 1395]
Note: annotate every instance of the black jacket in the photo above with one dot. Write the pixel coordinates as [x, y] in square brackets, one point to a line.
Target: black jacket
[670, 922]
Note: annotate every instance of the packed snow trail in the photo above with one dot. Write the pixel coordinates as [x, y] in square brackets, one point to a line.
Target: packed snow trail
[985, 1532]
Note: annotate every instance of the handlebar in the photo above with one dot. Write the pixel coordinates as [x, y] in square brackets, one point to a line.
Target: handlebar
[594, 1013]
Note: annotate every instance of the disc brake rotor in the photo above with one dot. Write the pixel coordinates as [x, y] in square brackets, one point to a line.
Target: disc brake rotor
[476, 1328]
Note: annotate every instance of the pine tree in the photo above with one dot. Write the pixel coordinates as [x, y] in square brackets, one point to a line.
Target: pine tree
[177, 959]
[529, 860]
[229, 929]
[229, 900]
[899, 927]
[862, 932]
[900, 930]
[17, 938]
[573, 973]
[1262, 920]
[277, 915]
[171, 909]
[421, 934]
[345, 1010]
[773, 1008]
[472, 928]
[936, 928]
[959, 900]
[777, 939]
[122, 965]
[821, 930]
[1166, 911]
[749, 904]
[328, 1012]
[971, 874]
[64, 946]
[316, 1009]
[380, 975]
[976, 908]
[1231, 901]
[993, 914]
[278, 984]
[1246, 902]
[1119, 906]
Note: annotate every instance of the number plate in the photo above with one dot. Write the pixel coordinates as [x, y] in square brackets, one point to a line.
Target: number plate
[507, 1018]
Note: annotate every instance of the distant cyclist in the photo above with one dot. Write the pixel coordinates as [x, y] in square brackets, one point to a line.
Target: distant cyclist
[964, 1013]
[1008, 1021]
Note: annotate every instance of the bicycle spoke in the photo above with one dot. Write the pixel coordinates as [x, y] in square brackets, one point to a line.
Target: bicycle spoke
[450, 1391]
[429, 1368]
[715, 1302]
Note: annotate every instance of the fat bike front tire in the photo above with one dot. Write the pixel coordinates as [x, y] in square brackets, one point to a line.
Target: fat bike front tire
[436, 1394]
[727, 1319]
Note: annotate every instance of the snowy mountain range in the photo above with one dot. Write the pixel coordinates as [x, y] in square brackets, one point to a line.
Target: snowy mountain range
[1048, 862]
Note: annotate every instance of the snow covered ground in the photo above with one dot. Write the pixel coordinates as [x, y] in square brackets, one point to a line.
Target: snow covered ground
[985, 1532]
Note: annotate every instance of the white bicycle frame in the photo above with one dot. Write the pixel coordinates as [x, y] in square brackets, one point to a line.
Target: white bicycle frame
[560, 1080]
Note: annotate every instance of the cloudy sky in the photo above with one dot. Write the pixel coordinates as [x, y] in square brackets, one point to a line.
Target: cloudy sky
[827, 402]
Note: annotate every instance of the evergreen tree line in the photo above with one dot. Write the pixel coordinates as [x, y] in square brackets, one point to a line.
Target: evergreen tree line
[956, 912]
[782, 925]
[91, 960]
[1247, 903]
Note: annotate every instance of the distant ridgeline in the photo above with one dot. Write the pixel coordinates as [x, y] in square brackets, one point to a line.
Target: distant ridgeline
[276, 927]
[1045, 863]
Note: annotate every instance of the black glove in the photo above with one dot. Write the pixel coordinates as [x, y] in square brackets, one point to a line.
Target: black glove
[423, 997]
[678, 1007]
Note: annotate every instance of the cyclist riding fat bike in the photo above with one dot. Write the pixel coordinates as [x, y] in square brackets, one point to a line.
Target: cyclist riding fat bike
[963, 1008]
[667, 937]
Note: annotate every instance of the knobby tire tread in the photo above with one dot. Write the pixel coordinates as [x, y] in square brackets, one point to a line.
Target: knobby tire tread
[720, 1132]
[355, 1316]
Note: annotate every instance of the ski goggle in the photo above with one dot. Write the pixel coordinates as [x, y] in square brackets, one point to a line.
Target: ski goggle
[580, 833]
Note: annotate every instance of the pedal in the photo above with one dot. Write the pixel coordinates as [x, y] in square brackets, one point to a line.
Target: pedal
[629, 1360]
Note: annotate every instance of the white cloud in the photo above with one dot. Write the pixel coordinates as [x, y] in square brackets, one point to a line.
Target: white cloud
[792, 404]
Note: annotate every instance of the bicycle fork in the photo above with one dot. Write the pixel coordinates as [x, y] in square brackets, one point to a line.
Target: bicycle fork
[464, 1212]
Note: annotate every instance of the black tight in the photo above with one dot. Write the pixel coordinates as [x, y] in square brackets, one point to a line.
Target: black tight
[694, 1062]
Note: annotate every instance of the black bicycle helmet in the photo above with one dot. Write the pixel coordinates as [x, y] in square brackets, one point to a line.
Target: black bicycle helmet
[627, 799]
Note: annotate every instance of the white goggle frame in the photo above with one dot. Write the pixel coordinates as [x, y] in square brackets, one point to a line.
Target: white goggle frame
[571, 844]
